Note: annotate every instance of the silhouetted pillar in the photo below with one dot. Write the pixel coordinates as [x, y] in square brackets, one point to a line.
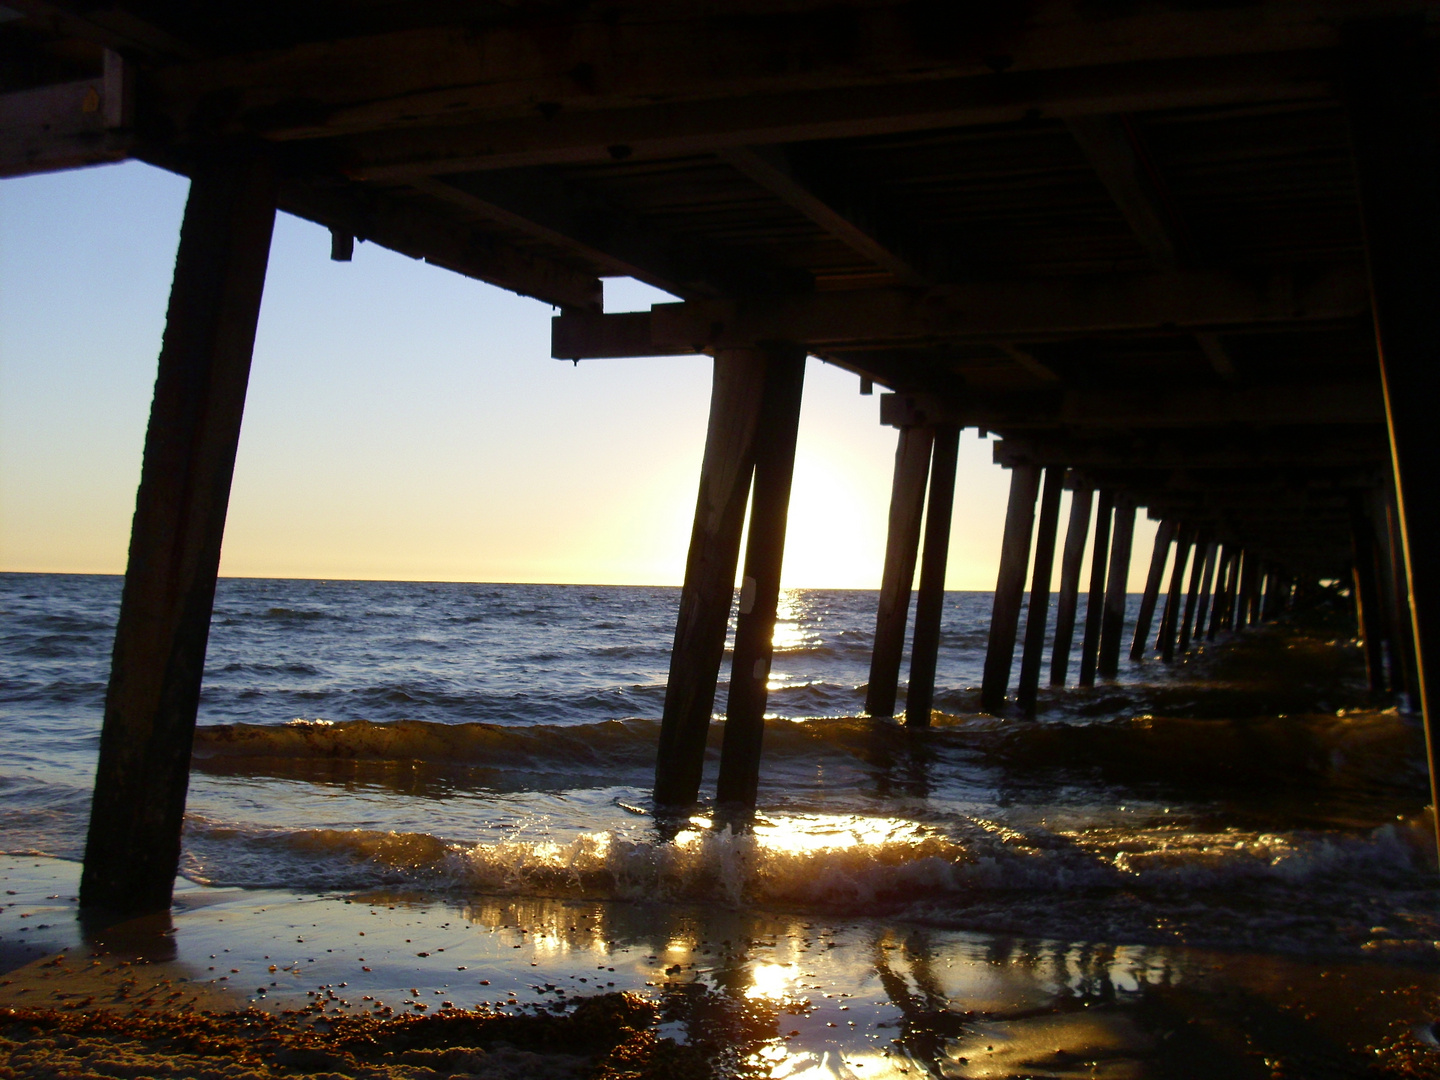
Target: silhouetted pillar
[1116, 587]
[133, 847]
[760, 587]
[737, 392]
[1192, 595]
[1038, 614]
[902, 544]
[930, 604]
[1398, 586]
[1082, 501]
[1185, 538]
[1095, 598]
[1153, 579]
[1207, 580]
[1010, 585]
[1224, 588]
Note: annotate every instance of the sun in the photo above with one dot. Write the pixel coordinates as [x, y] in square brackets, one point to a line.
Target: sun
[832, 539]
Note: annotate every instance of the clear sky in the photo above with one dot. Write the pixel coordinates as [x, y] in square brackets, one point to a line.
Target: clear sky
[402, 422]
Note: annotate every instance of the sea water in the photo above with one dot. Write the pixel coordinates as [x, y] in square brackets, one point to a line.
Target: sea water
[494, 744]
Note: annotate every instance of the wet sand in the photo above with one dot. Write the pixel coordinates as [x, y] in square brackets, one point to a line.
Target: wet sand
[739, 992]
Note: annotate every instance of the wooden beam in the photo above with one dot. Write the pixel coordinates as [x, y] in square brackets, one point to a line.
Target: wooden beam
[410, 229]
[1005, 311]
[1324, 448]
[744, 735]
[771, 168]
[68, 125]
[578, 63]
[133, 847]
[468, 143]
[736, 398]
[930, 604]
[1109, 144]
[902, 544]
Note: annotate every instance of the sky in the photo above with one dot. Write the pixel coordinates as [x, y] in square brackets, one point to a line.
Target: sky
[402, 422]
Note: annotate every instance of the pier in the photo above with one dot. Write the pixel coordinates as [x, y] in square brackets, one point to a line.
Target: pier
[1181, 259]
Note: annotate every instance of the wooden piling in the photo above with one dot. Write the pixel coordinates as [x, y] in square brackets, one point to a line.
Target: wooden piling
[737, 392]
[1207, 581]
[1224, 586]
[1038, 613]
[1248, 566]
[760, 587]
[929, 605]
[902, 544]
[1169, 621]
[1405, 678]
[1367, 597]
[1010, 585]
[1192, 595]
[133, 847]
[1095, 599]
[1163, 537]
[1082, 499]
[1116, 586]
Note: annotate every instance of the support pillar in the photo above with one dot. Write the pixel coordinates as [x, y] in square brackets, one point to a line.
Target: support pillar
[133, 847]
[1170, 619]
[902, 544]
[737, 391]
[1397, 583]
[1224, 588]
[930, 604]
[1367, 598]
[1207, 582]
[1116, 588]
[1248, 568]
[1082, 501]
[1163, 537]
[1095, 599]
[1192, 595]
[760, 588]
[1038, 614]
[1010, 585]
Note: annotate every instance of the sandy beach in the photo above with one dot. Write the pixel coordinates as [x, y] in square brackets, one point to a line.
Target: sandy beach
[259, 983]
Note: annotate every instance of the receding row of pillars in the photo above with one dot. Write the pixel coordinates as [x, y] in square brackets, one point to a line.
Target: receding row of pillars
[133, 846]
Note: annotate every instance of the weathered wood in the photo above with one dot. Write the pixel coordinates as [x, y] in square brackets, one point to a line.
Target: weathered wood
[1108, 143]
[902, 543]
[1192, 594]
[1117, 582]
[1009, 586]
[1037, 615]
[1169, 621]
[930, 604]
[1224, 586]
[1158, 558]
[760, 590]
[1207, 584]
[1392, 130]
[133, 847]
[736, 396]
[1095, 599]
[1082, 501]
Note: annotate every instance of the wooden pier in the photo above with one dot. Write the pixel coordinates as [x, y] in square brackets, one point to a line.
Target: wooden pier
[1181, 258]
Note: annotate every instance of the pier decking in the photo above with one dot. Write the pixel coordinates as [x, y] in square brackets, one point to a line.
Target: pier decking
[1181, 257]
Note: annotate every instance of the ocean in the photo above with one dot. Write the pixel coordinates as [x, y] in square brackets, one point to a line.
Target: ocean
[470, 741]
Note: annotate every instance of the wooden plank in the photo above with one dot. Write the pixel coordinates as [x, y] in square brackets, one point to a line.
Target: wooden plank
[902, 544]
[133, 847]
[1010, 586]
[1095, 600]
[474, 142]
[930, 604]
[1037, 614]
[1117, 581]
[1392, 124]
[760, 591]
[67, 125]
[1082, 501]
[1322, 448]
[735, 405]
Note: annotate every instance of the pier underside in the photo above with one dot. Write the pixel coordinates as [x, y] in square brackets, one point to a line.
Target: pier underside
[1181, 258]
